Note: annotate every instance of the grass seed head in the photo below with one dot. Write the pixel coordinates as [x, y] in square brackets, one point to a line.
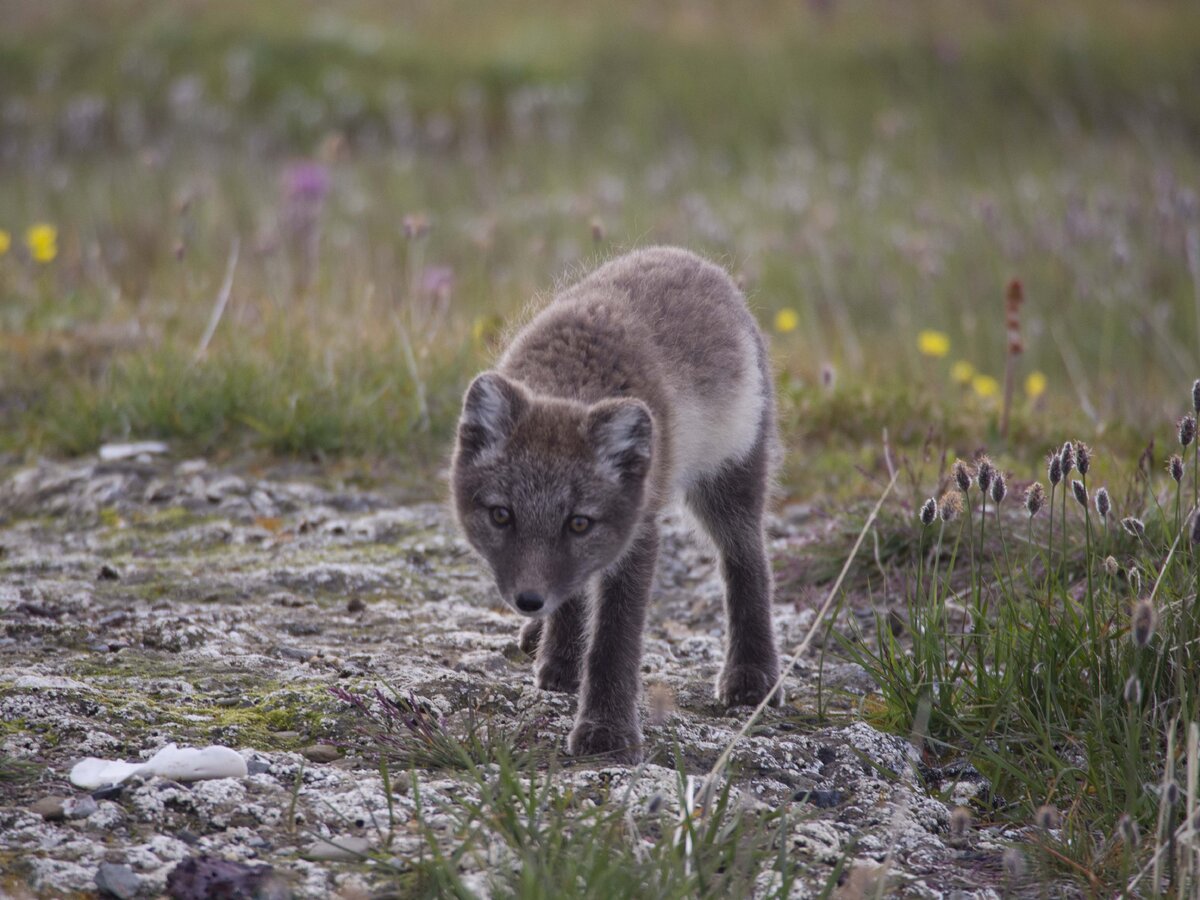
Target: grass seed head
[1135, 579]
[1014, 864]
[960, 822]
[1047, 817]
[655, 804]
[929, 512]
[1081, 495]
[1112, 568]
[985, 474]
[1172, 795]
[1068, 458]
[1195, 529]
[1035, 498]
[1134, 526]
[1054, 469]
[1196, 395]
[964, 475]
[1175, 467]
[999, 489]
[1143, 622]
[1083, 457]
[950, 506]
[1133, 690]
[1187, 430]
[1103, 503]
[1127, 829]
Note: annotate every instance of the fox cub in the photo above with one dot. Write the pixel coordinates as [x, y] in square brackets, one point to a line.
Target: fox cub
[645, 381]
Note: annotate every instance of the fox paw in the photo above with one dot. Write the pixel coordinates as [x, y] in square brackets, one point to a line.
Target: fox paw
[530, 637]
[616, 743]
[746, 685]
[557, 675]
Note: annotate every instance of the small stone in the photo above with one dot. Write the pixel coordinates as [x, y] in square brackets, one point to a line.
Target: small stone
[355, 605]
[108, 792]
[285, 737]
[820, 799]
[108, 573]
[80, 807]
[294, 653]
[117, 881]
[321, 753]
[256, 765]
[50, 808]
[338, 849]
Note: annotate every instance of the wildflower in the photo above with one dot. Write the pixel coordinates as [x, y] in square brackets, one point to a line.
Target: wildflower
[960, 822]
[1103, 503]
[950, 506]
[1067, 455]
[1196, 395]
[1135, 579]
[1054, 469]
[985, 386]
[985, 473]
[1035, 385]
[1035, 498]
[6, 242]
[999, 489]
[42, 240]
[306, 181]
[1047, 817]
[1133, 690]
[786, 320]
[1142, 622]
[963, 475]
[933, 343]
[929, 512]
[1127, 828]
[1175, 467]
[1134, 526]
[1112, 568]
[415, 226]
[1083, 457]
[1013, 298]
[828, 377]
[1081, 495]
[962, 371]
[1187, 430]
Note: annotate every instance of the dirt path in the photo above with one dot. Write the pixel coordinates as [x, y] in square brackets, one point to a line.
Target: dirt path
[148, 601]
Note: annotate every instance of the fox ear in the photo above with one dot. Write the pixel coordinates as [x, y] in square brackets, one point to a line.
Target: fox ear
[491, 408]
[621, 432]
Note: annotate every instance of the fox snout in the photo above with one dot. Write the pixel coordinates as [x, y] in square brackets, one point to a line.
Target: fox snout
[529, 602]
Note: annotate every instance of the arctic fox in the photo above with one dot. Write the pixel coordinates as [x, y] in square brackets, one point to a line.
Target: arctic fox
[645, 381]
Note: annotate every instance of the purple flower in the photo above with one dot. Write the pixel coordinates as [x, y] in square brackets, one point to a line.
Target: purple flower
[306, 180]
[437, 281]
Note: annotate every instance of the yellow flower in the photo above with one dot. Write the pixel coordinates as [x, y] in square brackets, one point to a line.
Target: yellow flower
[42, 240]
[962, 371]
[1035, 384]
[933, 343]
[786, 320]
[985, 385]
[5, 241]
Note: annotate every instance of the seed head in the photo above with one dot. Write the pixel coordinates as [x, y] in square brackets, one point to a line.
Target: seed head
[828, 377]
[1175, 467]
[1134, 526]
[950, 506]
[1035, 498]
[1014, 864]
[1195, 529]
[1187, 430]
[1054, 469]
[985, 473]
[929, 512]
[1112, 568]
[1083, 457]
[960, 822]
[1127, 829]
[1080, 492]
[1068, 458]
[999, 489]
[1047, 817]
[1142, 622]
[1135, 579]
[1133, 690]
[1172, 794]
[1196, 395]
[655, 804]
[963, 475]
[1103, 503]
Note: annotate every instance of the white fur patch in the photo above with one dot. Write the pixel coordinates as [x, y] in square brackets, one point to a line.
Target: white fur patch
[708, 431]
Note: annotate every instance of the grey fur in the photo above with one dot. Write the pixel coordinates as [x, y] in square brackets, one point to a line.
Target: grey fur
[646, 379]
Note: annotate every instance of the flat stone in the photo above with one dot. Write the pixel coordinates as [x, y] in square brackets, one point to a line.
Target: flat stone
[116, 880]
[820, 799]
[321, 753]
[50, 808]
[80, 807]
[338, 849]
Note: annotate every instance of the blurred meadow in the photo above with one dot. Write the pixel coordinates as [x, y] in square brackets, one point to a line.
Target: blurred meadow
[384, 185]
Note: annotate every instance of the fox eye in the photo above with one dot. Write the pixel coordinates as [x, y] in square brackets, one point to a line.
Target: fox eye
[579, 524]
[501, 516]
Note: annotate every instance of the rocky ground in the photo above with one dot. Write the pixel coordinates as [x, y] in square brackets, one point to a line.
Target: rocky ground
[146, 601]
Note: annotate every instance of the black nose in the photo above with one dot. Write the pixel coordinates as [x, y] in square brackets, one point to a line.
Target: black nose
[529, 601]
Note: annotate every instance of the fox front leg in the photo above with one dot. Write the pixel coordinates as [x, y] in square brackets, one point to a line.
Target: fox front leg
[607, 723]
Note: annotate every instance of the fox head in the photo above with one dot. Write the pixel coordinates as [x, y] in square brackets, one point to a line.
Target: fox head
[548, 491]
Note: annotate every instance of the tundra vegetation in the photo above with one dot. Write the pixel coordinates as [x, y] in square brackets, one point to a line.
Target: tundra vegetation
[269, 237]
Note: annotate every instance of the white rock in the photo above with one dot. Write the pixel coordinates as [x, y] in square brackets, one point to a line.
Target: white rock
[110, 452]
[186, 764]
